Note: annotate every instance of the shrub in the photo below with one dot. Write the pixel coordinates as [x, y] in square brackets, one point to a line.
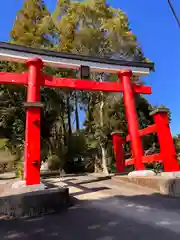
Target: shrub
[54, 163]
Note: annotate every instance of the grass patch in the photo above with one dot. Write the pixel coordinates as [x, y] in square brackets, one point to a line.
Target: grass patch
[2, 142]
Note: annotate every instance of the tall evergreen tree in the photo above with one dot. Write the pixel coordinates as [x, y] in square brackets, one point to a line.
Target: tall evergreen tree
[93, 28]
[30, 27]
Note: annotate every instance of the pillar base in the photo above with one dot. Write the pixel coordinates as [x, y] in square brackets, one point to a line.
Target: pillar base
[22, 184]
[142, 173]
[175, 174]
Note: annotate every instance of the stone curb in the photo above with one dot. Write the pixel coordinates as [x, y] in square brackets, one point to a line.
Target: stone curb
[95, 179]
[165, 186]
[33, 204]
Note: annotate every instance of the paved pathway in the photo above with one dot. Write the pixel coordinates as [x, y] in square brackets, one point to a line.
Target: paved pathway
[105, 211]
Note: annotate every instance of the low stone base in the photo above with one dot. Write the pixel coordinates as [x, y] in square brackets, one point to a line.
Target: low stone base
[164, 185]
[142, 173]
[171, 174]
[35, 203]
[21, 186]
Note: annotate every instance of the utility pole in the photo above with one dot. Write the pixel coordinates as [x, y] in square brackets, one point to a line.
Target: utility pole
[173, 12]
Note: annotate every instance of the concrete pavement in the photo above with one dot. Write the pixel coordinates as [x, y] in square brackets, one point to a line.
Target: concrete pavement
[104, 211]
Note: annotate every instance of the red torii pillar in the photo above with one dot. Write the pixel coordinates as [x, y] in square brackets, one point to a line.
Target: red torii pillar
[118, 151]
[33, 111]
[165, 139]
[131, 115]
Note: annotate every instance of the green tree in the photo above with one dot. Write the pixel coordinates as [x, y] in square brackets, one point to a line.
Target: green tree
[30, 26]
[30, 29]
[177, 143]
[93, 28]
[96, 29]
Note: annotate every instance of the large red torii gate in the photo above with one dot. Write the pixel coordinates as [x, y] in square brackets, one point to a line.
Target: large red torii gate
[34, 79]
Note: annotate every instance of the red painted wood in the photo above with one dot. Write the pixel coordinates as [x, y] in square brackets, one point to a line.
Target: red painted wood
[50, 81]
[32, 141]
[13, 78]
[143, 132]
[118, 152]
[32, 150]
[131, 115]
[166, 143]
[146, 159]
[141, 89]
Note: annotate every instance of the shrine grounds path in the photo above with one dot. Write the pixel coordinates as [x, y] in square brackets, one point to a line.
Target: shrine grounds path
[103, 210]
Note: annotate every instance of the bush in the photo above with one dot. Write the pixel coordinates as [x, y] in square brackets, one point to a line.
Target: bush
[54, 163]
[6, 161]
[19, 169]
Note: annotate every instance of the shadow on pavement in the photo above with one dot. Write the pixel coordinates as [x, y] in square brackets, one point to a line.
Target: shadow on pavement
[83, 189]
[55, 174]
[96, 179]
[90, 220]
[155, 200]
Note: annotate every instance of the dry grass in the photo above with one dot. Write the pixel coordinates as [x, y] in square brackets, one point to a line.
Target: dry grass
[6, 159]
[5, 156]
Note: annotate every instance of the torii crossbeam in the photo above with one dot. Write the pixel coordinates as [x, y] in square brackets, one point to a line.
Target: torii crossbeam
[34, 78]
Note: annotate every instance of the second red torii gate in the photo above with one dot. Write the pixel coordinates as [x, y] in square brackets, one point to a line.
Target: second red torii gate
[34, 79]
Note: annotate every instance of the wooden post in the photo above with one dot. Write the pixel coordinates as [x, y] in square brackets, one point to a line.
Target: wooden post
[32, 137]
[166, 143]
[131, 115]
[118, 151]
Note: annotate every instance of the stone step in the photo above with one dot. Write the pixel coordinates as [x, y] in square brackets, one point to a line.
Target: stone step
[169, 186]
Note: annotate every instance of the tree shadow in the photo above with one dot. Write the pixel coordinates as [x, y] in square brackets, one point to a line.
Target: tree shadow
[97, 179]
[84, 190]
[103, 219]
[55, 174]
[155, 200]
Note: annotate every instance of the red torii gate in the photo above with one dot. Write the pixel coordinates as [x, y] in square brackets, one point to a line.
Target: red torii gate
[34, 79]
[167, 154]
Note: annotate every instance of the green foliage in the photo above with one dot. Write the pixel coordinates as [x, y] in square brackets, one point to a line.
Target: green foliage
[6, 159]
[177, 143]
[30, 27]
[94, 28]
[19, 168]
[115, 119]
[78, 144]
[54, 162]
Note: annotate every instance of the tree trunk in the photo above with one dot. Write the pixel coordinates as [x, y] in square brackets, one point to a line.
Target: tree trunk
[103, 150]
[104, 161]
[69, 116]
[64, 129]
[69, 156]
[76, 113]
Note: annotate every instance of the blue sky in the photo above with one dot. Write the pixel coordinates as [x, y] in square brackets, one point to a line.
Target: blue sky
[158, 35]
